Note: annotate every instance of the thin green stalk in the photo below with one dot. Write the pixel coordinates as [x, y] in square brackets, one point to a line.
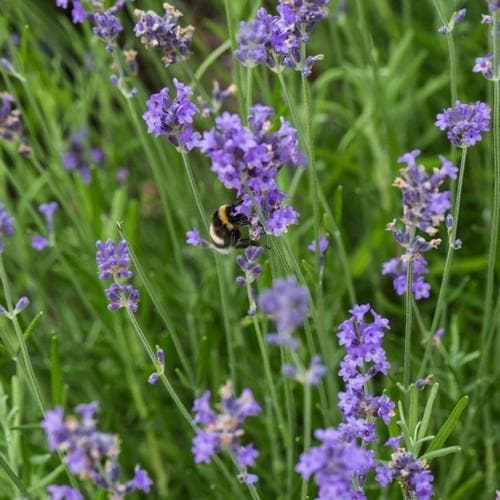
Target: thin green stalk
[248, 91]
[408, 322]
[222, 287]
[307, 431]
[16, 480]
[267, 369]
[232, 39]
[449, 258]
[152, 356]
[158, 305]
[451, 53]
[30, 373]
[495, 211]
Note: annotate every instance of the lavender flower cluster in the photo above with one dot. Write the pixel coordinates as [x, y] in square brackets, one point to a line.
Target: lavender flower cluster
[113, 261]
[340, 464]
[164, 33]
[173, 119]
[223, 431]
[287, 304]
[248, 160]
[424, 209]
[277, 41]
[413, 474]
[89, 453]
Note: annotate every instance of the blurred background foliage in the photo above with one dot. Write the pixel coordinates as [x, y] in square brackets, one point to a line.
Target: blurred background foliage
[384, 77]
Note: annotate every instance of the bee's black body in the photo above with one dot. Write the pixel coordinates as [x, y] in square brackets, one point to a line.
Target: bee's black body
[225, 229]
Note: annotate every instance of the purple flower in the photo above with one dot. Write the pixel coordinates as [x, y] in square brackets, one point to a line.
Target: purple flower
[393, 442]
[494, 5]
[484, 65]
[89, 453]
[48, 210]
[248, 264]
[160, 366]
[113, 260]
[456, 18]
[334, 464]
[437, 337]
[276, 40]
[194, 239]
[122, 175]
[78, 13]
[246, 456]
[122, 296]
[173, 119]
[287, 304]
[80, 155]
[107, 27]
[465, 123]
[164, 33]
[7, 228]
[396, 267]
[323, 245]
[141, 481]
[223, 430]
[364, 359]
[411, 473]
[248, 159]
[63, 492]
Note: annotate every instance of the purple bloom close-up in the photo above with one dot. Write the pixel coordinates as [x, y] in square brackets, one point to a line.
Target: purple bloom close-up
[464, 123]
[323, 244]
[164, 33]
[223, 429]
[334, 464]
[484, 65]
[63, 492]
[89, 453]
[194, 239]
[120, 296]
[107, 27]
[113, 260]
[396, 267]
[173, 119]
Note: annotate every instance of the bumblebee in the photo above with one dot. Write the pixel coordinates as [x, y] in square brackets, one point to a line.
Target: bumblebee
[225, 229]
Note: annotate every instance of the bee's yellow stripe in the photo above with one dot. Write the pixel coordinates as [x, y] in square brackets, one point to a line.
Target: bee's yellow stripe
[223, 216]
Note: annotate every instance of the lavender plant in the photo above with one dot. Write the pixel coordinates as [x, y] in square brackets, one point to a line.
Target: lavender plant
[173, 98]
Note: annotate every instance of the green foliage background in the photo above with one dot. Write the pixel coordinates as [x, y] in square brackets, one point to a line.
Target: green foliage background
[375, 96]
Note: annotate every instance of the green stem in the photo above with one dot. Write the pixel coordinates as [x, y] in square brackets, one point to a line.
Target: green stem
[449, 259]
[14, 478]
[408, 321]
[158, 305]
[307, 431]
[221, 282]
[451, 54]
[248, 91]
[495, 211]
[152, 356]
[267, 369]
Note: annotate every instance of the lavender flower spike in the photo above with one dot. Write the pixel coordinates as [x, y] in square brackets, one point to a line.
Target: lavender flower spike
[89, 453]
[173, 118]
[63, 492]
[107, 27]
[224, 430]
[113, 260]
[164, 33]
[465, 123]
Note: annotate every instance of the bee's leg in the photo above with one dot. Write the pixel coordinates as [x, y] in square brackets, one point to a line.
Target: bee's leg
[247, 242]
